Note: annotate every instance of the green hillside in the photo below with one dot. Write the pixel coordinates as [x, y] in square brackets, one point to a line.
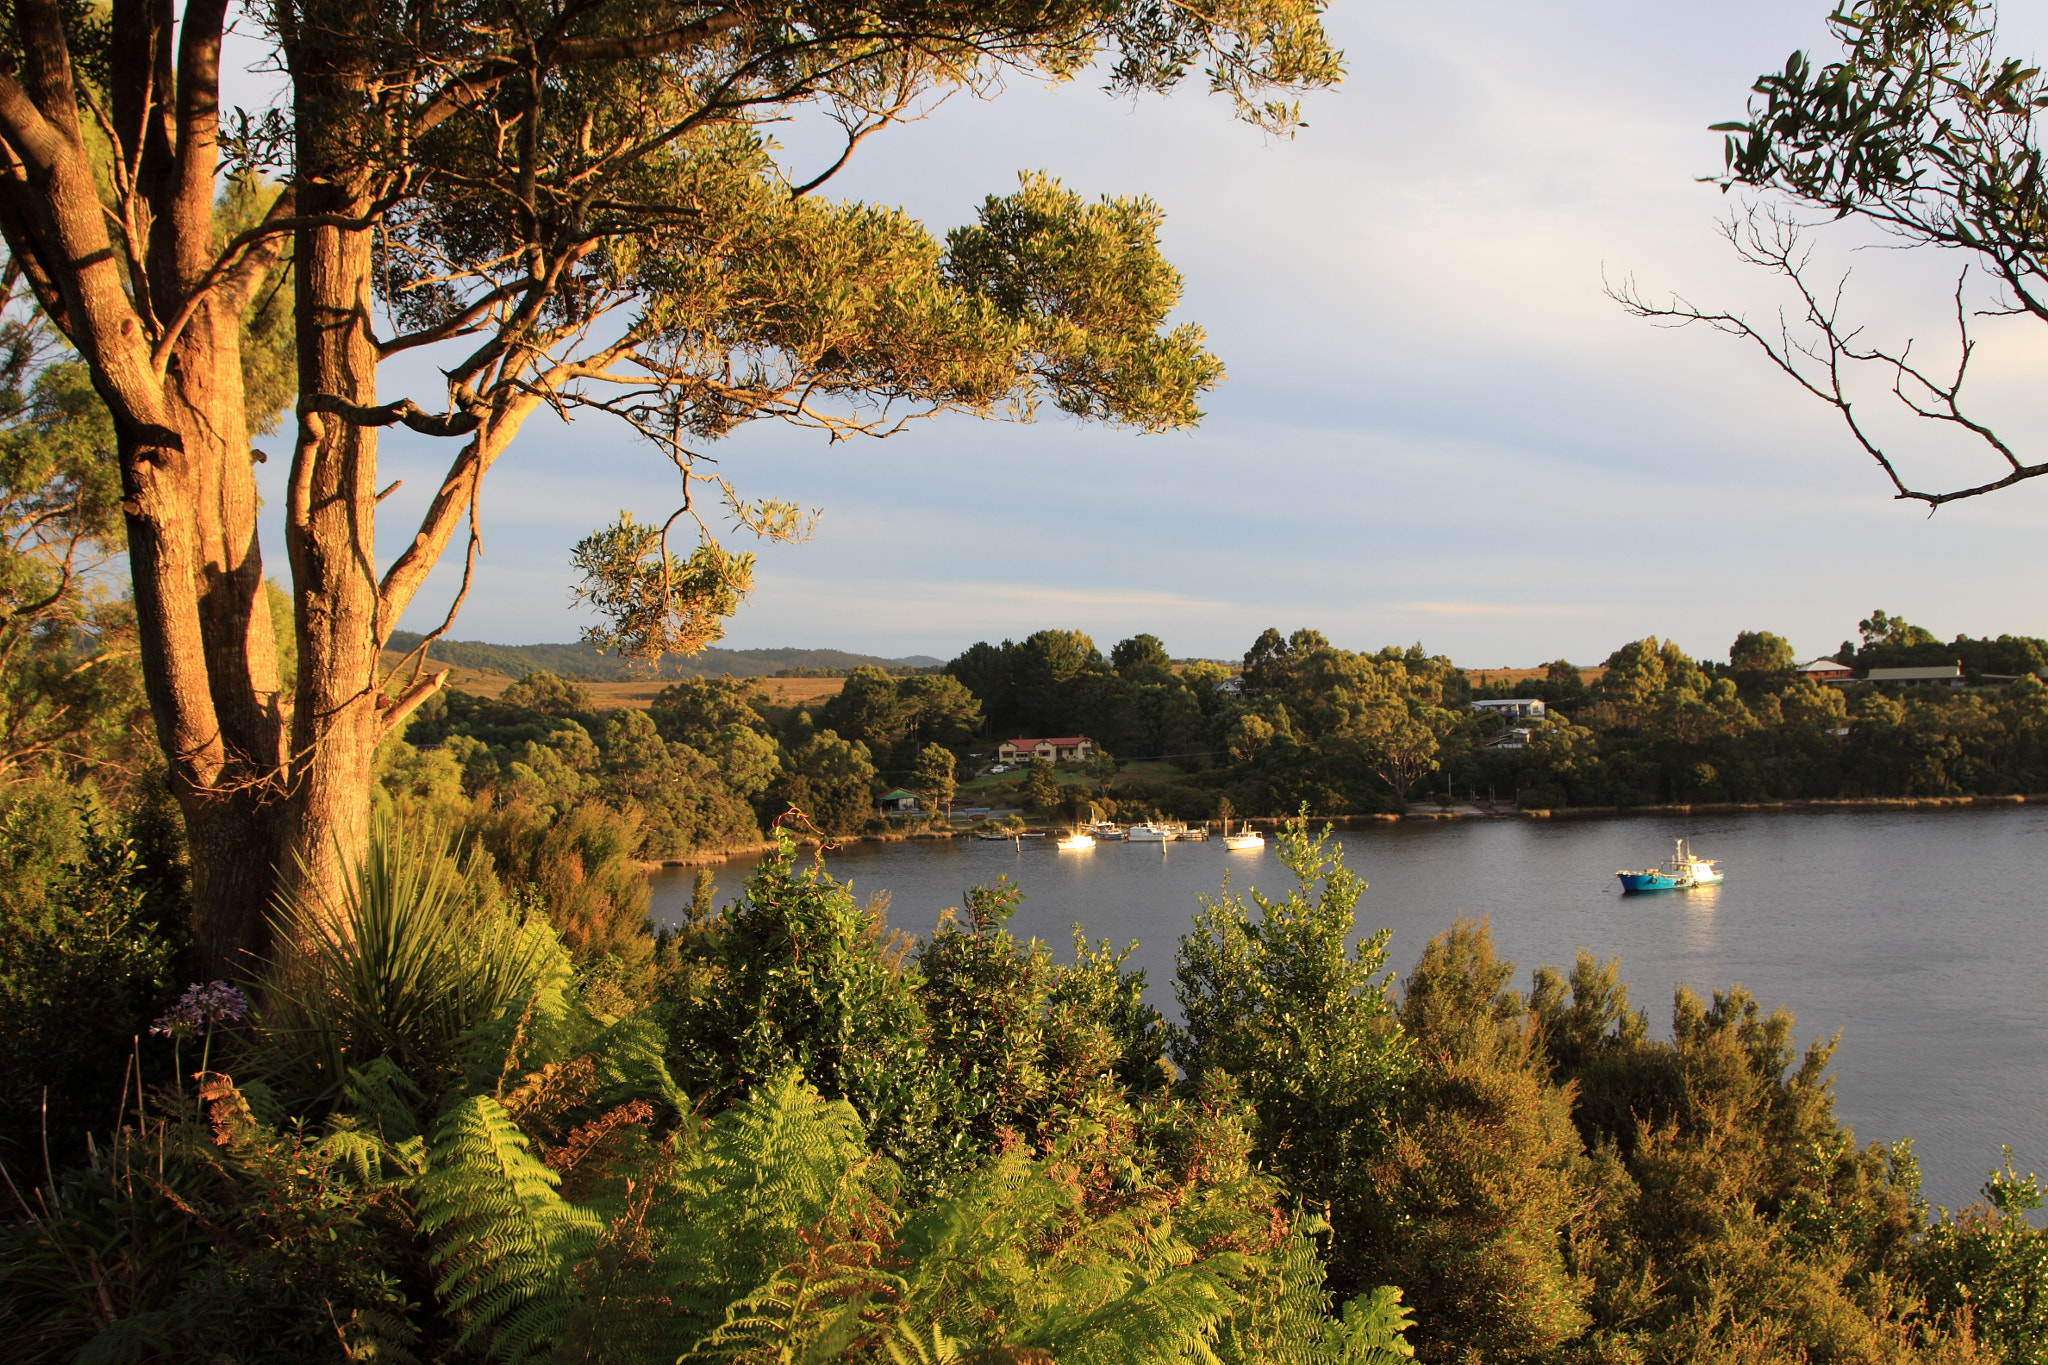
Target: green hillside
[581, 661]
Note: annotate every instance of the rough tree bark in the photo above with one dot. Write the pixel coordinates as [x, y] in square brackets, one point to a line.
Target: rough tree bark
[330, 517]
[141, 288]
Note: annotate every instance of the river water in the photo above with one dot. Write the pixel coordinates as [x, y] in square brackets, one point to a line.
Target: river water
[1922, 936]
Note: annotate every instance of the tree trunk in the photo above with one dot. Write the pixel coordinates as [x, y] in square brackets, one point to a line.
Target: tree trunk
[330, 519]
[211, 560]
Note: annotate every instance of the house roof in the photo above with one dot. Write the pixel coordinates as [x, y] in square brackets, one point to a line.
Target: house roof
[1915, 674]
[1065, 742]
[897, 795]
[1825, 666]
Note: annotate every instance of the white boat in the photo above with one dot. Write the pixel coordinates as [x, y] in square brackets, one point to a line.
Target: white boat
[1244, 838]
[1079, 839]
[1150, 833]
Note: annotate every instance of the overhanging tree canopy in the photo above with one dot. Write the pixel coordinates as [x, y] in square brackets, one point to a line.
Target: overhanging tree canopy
[579, 193]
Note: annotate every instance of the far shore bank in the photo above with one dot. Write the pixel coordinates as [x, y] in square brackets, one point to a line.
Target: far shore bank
[1464, 810]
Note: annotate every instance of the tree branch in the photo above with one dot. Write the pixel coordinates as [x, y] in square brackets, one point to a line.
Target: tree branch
[404, 410]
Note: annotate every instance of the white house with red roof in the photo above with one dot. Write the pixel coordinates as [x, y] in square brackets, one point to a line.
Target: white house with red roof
[1066, 749]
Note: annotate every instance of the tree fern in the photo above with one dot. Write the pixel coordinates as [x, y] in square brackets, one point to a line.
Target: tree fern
[503, 1241]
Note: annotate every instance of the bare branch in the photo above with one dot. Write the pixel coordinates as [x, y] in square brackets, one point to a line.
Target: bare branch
[1818, 351]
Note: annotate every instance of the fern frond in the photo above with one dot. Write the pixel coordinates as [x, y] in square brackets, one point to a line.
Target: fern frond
[906, 1346]
[503, 1240]
[1374, 1330]
[632, 1063]
[774, 1182]
[809, 1311]
[1174, 1318]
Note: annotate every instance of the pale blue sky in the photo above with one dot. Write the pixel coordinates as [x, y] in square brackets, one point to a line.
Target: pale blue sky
[1435, 428]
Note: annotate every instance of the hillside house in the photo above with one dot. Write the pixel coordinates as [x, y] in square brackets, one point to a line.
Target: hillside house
[1068, 749]
[1826, 670]
[1519, 708]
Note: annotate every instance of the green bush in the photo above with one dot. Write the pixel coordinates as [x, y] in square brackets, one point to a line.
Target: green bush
[92, 937]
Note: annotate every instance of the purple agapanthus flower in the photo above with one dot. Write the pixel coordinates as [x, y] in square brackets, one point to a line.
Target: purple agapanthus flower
[213, 1003]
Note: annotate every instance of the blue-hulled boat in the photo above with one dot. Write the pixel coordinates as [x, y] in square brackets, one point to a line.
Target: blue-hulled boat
[1683, 871]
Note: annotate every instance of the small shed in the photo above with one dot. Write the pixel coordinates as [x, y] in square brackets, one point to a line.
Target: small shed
[898, 802]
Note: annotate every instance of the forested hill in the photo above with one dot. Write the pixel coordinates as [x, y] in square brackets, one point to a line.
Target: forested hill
[581, 661]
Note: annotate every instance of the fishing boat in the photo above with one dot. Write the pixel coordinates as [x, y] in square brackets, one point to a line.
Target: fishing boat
[1681, 873]
[1244, 838]
[1077, 840]
[1150, 833]
[1106, 832]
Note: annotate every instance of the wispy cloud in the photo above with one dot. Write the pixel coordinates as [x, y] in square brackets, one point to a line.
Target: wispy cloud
[1493, 608]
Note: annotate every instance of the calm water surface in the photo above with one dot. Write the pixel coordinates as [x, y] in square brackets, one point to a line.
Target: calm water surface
[1921, 936]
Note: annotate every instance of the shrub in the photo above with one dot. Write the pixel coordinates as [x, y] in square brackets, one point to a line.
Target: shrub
[87, 958]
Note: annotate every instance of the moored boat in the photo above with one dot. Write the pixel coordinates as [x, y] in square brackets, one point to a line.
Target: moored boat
[1246, 837]
[1149, 833]
[1079, 839]
[1683, 872]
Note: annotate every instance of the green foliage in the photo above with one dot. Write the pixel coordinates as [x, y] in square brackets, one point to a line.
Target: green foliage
[1479, 1188]
[900, 720]
[70, 692]
[502, 1238]
[91, 936]
[199, 1233]
[409, 963]
[1726, 1209]
[792, 978]
[830, 780]
[1042, 788]
[1991, 1261]
[654, 602]
[1282, 1004]
[1088, 285]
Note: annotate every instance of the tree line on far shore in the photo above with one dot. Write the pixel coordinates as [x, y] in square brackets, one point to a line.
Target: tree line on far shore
[1306, 722]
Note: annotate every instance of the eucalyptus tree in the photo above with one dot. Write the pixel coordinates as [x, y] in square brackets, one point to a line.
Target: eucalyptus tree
[578, 199]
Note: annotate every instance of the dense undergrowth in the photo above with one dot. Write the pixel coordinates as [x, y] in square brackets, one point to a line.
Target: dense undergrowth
[799, 1135]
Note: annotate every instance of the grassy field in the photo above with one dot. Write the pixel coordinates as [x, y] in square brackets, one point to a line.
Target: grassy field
[1486, 677]
[635, 695]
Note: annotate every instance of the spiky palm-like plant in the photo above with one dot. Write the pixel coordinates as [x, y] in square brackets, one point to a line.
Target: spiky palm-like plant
[409, 964]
